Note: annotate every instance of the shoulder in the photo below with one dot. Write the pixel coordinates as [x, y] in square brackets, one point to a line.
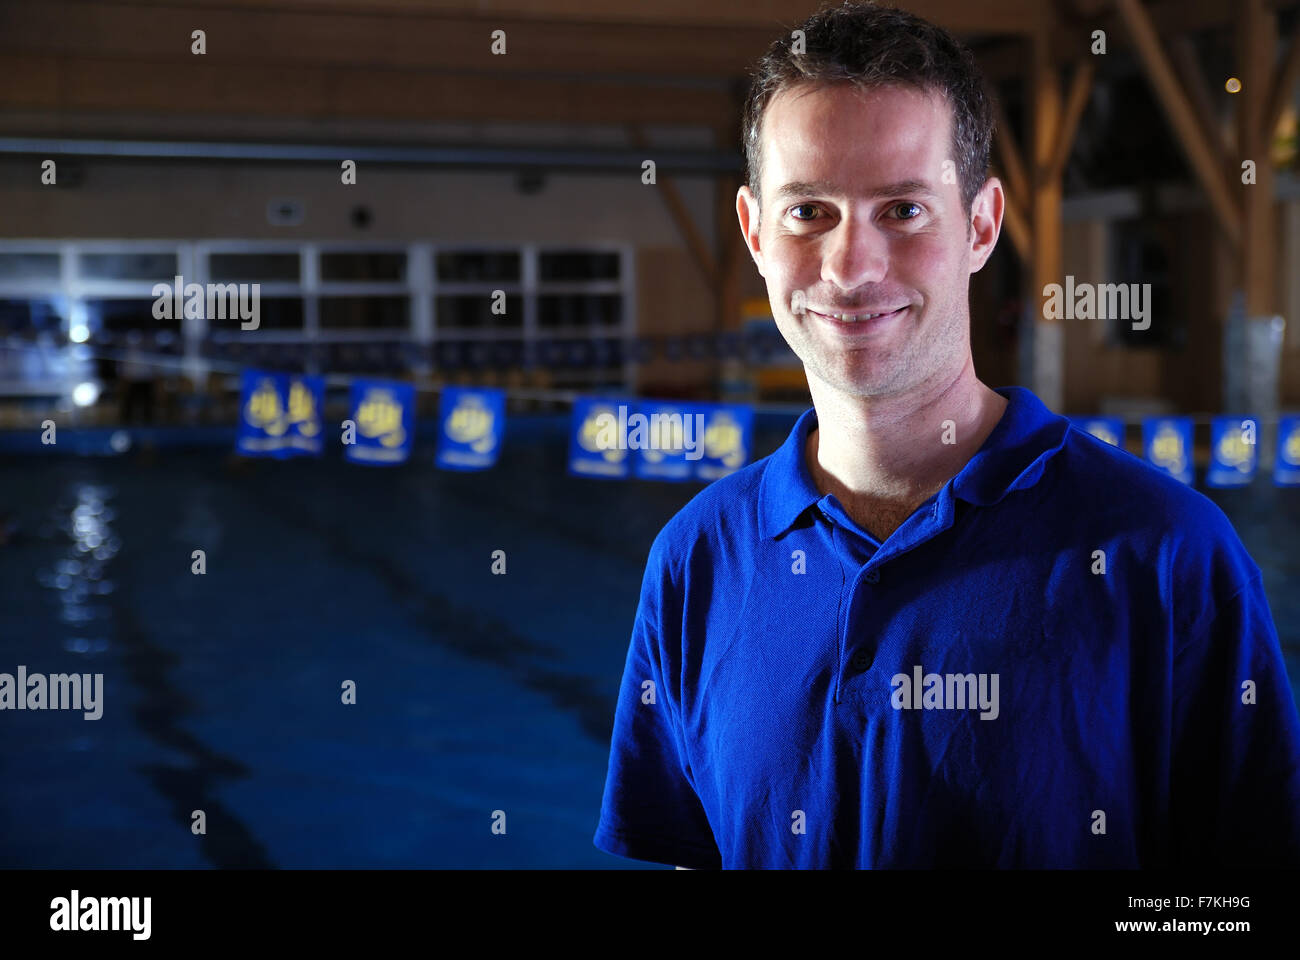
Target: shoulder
[1101, 474]
[719, 522]
[1180, 530]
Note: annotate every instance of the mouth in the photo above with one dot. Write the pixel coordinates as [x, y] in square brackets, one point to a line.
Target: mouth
[864, 321]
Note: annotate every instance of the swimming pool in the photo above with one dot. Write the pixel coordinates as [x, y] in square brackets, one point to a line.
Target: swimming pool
[474, 692]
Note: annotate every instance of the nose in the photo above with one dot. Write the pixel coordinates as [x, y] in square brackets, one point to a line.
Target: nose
[855, 253]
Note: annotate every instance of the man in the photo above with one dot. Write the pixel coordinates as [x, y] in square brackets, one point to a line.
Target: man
[939, 626]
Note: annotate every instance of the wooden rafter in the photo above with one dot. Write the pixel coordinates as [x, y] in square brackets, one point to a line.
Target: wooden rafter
[1222, 140]
[1257, 256]
[1182, 118]
[1284, 81]
[1009, 152]
[1017, 224]
[1080, 90]
[681, 215]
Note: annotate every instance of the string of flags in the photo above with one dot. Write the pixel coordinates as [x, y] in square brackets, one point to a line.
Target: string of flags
[281, 416]
[1234, 447]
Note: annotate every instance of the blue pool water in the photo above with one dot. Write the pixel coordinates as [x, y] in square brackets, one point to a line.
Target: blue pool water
[475, 693]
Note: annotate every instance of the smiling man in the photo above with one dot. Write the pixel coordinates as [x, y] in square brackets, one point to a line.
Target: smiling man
[867, 264]
[939, 626]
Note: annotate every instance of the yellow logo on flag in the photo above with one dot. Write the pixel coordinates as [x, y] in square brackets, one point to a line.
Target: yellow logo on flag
[472, 423]
[302, 409]
[263, 410]
[1167, 449]
[589, 434]
[722, 440]
[1234, 450]
[380, 415]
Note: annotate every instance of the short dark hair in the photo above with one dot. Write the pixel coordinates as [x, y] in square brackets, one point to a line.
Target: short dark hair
[872, 46]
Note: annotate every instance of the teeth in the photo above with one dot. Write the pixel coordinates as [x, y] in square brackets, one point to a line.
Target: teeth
[852, 318]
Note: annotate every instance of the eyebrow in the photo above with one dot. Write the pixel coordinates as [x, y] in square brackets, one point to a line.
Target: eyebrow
[803, 188]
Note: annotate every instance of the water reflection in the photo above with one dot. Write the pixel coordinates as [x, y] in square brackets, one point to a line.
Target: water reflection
[78, 576]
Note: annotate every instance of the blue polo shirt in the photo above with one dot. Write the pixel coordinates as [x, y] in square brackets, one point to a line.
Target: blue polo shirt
[1062, 659]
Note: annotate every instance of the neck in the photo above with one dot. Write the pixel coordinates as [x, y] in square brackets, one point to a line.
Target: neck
[886, 455]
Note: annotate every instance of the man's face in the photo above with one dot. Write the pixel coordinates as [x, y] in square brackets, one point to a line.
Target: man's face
[858, 219]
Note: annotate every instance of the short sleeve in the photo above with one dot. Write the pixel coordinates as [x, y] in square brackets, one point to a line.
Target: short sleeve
[1235, 765]
[650, 809]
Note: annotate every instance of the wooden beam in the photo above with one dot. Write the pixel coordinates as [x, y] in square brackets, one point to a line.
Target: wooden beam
[1046, 106]
[1256, 41]
[681, 36]
[1045, 208]
[1071, 36]
[1047, 265]
[1080, 90]
[1186, 127]
[319, 93]
[680, 213]
[1009, 152]
[1183, 54]
[268, 35]
[1013, 217]
[730, 244]
[1284, 81]
[1196, 12]
[1005, 16]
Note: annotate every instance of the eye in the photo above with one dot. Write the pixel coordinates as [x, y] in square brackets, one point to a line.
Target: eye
[803, 206]
[905, 206]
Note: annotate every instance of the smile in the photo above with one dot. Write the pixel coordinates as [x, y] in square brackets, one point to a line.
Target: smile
[865, 320]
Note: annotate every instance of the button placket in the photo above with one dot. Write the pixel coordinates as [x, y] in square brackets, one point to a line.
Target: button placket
[859, 657]
[847, 587]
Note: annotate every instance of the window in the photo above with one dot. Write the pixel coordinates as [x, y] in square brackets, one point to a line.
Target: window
[363, 267]
[29, 317]
[150, 267]
[111, 316]
[578, 265]
[503, 266]
[365, 313]
[254, 267]
[29, 266]
[331, 307]
[274, 313]
[580, 311]
[466, 312]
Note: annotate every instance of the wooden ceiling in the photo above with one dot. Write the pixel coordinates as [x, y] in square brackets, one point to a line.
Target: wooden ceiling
[678, 62]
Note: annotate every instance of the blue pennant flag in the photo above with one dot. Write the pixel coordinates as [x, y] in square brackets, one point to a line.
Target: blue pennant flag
[1286, 467]
[384, 414]
[472, 422]
[263, 413]
[597, 442]
[1234, 451]
[728, 440]
[306, 433]
[1167, 445]
[673, 438]
[1110, 429]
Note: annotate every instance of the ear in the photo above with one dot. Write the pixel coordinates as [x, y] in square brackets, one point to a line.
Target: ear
[748, 214]
[986, 222]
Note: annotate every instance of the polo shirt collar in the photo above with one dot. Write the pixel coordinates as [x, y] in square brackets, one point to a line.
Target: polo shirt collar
[1011, 458]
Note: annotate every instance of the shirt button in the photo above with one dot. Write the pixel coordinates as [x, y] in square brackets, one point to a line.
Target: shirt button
[861, 659]
[873, 576]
